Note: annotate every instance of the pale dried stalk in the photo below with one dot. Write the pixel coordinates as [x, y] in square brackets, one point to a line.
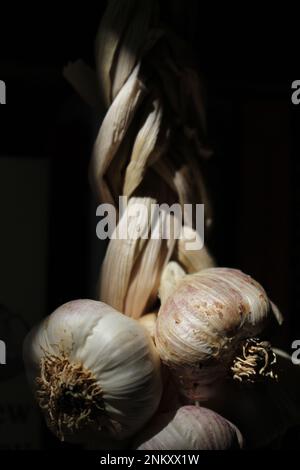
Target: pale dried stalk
[109, 36]
[192, 260]
[144, 282]
[143, 286]
[131, 142]
[137, 151]
[117, 168]
[144, 150]
[112, 132]
[131, 45]
[122, 254]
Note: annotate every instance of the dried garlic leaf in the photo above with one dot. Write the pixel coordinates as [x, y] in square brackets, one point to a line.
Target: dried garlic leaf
[123, 250]
[192, 260]
[112, 132]
[114, 22]
[144, 282]
[131, 45]
[145, 149]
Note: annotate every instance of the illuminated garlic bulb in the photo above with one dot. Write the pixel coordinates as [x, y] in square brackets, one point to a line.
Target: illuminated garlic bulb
[208, 328]
[190, 428]
[93, 370]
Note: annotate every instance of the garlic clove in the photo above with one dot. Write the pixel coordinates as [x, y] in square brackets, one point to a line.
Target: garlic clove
[190, 428]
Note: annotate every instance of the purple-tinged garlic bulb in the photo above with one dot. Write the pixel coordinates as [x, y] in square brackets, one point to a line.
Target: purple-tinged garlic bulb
[190, 428]
[208, 328]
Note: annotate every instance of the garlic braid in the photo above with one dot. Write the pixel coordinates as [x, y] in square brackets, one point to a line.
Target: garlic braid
[150, 147]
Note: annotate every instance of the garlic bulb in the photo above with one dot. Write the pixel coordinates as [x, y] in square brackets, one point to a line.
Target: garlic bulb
[208, 326]
[190, 428]
[93, 368]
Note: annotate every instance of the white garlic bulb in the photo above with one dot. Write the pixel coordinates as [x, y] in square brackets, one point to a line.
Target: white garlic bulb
[208, 327]
[93, 368]
[190, 428]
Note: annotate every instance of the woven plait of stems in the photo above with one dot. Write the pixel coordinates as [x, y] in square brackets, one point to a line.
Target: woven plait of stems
[151, 148]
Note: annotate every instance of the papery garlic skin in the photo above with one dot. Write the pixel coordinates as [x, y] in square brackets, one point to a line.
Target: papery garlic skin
[114, 349]
[190, 428]
[200, 327]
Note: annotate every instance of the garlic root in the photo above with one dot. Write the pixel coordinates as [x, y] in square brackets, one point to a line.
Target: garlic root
[69, 396]
[256, 361]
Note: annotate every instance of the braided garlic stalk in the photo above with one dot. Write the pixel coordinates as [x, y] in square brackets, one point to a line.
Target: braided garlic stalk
[150, 148]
